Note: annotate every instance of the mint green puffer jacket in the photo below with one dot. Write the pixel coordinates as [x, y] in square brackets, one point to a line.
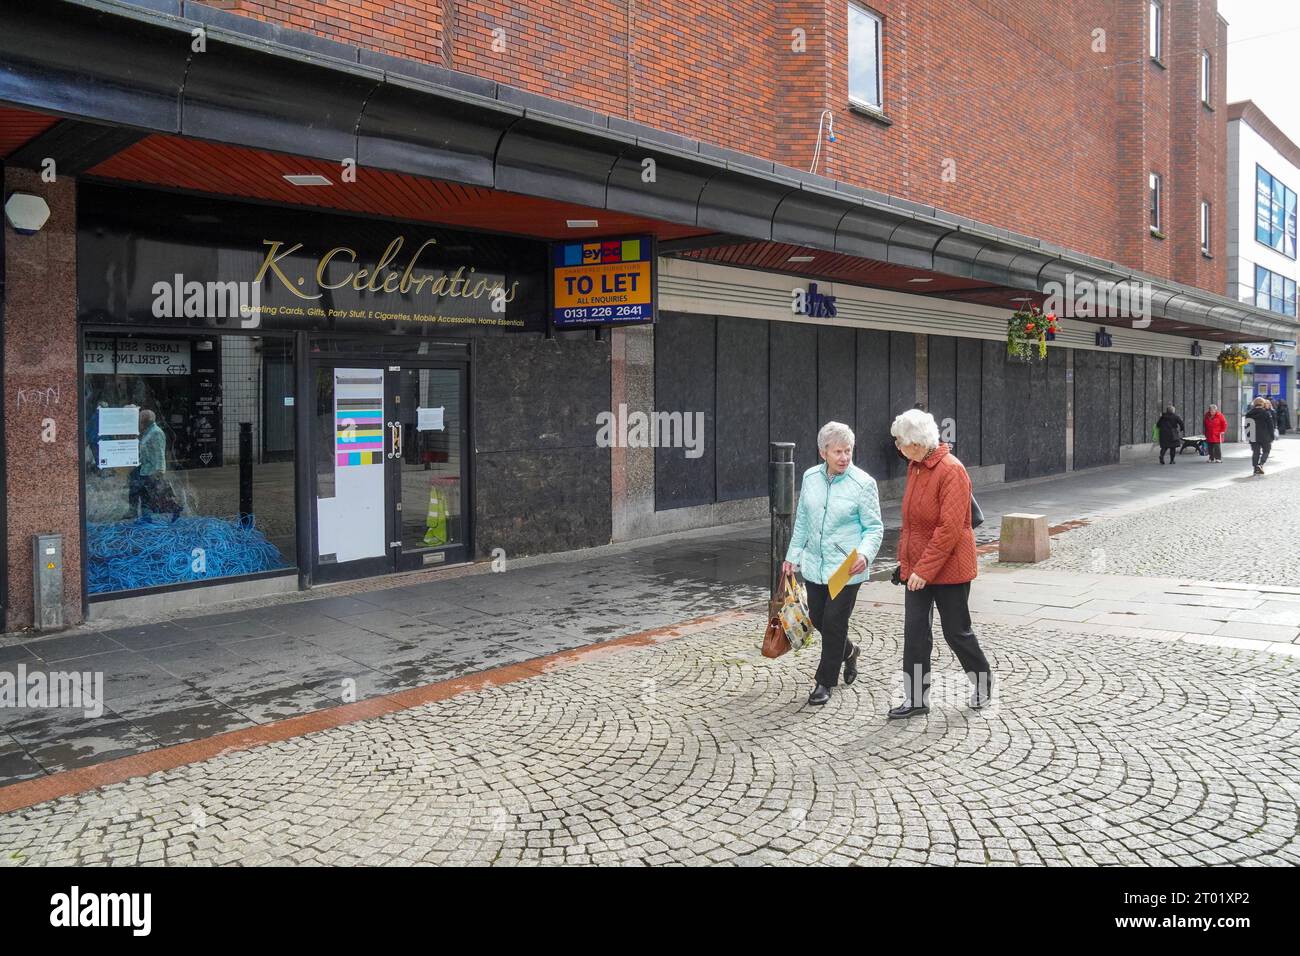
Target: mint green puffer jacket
[843, 511]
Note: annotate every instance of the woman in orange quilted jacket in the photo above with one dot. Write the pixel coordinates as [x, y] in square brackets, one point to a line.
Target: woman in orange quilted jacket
[936, 558]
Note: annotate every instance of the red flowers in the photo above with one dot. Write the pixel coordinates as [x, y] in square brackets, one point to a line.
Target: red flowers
[1029, 327]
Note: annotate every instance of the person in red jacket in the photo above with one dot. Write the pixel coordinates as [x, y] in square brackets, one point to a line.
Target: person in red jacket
[936, 557]
[1215, 425]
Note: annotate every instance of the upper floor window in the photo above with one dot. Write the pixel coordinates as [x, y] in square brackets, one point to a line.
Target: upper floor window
[1273, 291]
[864, 57]
[1275, 213]
[1157, 29]
[1205, 77]
[1205, 227]
[1154, 202]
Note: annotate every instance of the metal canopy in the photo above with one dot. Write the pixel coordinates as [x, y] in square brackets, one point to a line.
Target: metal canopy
[263, 86]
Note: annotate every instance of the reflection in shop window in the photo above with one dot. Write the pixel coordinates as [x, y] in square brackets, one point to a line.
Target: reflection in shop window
[188, 458]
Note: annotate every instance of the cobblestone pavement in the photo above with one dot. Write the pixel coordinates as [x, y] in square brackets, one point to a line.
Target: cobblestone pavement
[1101, 750]
[1246, 532]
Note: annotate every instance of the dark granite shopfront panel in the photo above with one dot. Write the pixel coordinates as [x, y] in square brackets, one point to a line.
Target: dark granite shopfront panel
[836, 373]
[792, 351]
[967, 411]
[902, 386]
[993, 407]
[875, 446]
[1125, 399]
[541, 482]
[941, 351]
[685, 383]
[742, 409]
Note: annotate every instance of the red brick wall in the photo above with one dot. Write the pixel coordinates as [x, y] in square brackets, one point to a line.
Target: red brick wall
[1042, 133]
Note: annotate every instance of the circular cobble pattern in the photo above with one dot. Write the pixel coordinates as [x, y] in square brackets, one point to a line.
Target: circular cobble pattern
[1099, 751]
[1245, 532]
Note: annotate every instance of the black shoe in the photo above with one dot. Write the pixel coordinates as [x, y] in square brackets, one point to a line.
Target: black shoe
[851, 666]
[820, 695]
[906, 710]
[979, 700]
[1258, 470]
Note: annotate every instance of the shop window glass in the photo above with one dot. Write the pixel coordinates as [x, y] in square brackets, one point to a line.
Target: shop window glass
[1275, 213]
[188, 457]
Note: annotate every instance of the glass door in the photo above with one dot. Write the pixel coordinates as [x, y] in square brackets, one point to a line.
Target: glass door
[353, 519]
[430, 465]
[390, 449]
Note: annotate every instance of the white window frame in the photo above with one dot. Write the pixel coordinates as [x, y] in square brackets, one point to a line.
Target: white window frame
[1206, 78]
[1155, 200]
[1156, 42]
[880, 59]
[1205, 226]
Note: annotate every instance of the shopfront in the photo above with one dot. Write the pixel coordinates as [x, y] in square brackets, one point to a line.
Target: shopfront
[271, 392]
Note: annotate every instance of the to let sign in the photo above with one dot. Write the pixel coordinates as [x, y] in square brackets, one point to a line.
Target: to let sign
[603, 282]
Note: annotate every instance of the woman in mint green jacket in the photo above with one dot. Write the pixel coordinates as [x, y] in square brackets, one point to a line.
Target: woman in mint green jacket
[839, 510]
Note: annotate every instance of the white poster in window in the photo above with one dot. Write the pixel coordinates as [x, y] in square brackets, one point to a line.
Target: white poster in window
[429, 419]
[119, 421]
[119, 453]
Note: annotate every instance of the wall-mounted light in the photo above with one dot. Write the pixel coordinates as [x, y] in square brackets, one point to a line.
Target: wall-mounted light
[582, 223]
[26, 213]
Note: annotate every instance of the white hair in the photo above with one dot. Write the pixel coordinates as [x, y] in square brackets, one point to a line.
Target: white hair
[915, 427]
[834, 433]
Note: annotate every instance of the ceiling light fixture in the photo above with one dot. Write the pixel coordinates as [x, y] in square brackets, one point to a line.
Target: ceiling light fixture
[582, 223]
[308, 179]
[801, 259]
[920, 280]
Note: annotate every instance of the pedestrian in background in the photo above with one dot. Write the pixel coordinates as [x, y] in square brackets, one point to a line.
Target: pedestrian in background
[1170, 429]
[936, 558]
[1215, 425]
[838, 511]
[1261, 429]
[1283, 416]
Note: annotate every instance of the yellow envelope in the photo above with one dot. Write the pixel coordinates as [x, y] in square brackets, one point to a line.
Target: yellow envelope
[842, 574]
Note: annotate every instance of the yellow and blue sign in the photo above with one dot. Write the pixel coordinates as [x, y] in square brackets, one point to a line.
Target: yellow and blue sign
[603, 282]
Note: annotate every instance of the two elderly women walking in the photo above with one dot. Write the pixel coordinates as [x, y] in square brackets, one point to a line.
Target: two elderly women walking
[839, 511]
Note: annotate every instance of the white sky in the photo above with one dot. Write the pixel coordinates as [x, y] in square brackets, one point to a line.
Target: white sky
[1261, 67]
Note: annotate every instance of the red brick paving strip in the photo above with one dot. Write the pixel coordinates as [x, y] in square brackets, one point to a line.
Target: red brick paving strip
[40, 789]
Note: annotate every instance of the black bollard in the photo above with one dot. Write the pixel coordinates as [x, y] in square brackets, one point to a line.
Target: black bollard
[245, 471]
[780, 497]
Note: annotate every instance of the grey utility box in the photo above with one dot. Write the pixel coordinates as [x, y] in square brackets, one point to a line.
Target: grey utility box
[47, 582]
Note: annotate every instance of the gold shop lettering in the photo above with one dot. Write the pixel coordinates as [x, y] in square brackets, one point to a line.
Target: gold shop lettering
[384, 276]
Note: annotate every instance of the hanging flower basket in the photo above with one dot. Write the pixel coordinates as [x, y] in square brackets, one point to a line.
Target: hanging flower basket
[1028, 331]
[1233, 359]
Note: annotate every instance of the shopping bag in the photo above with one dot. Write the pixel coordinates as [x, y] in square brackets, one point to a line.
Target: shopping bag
[795, 621]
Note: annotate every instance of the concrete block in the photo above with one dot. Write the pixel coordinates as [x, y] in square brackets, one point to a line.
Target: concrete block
[1024, 539]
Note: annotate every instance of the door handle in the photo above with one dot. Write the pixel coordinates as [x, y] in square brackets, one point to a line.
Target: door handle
[394, 439]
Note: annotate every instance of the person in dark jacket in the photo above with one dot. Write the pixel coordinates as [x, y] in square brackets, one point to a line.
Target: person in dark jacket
[1215, 425]
[1170, 428]
[1261, 428]
[1283, 417]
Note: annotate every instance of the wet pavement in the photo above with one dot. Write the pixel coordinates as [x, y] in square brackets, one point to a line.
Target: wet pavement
[188, 678]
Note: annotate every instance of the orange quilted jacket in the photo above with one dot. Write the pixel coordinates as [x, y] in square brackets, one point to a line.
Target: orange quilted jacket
[937, 542]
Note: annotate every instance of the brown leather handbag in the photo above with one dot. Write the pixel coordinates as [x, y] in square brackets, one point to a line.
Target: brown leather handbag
[775, 642]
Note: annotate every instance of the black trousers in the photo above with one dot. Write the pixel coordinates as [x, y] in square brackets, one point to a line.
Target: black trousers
[1173, 454]
[918, 638]
[1216, 450]
[831, 618]
[1259, 452]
